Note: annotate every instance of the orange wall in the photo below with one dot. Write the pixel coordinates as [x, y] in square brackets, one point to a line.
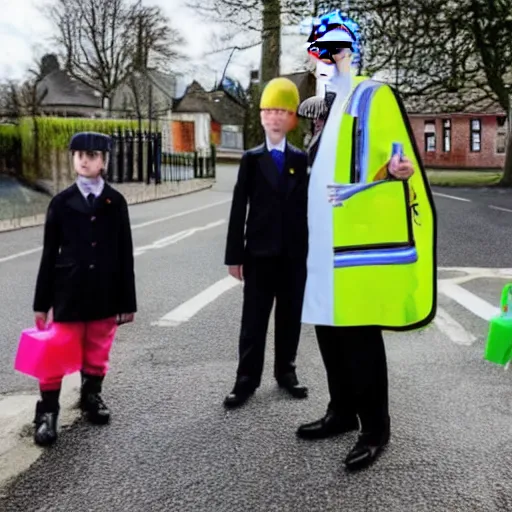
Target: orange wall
[216, 129]
[183, 136]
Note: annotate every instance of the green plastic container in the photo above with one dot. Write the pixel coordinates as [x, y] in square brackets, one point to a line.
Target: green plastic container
[498, 348]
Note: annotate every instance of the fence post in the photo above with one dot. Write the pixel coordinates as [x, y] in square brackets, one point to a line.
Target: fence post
[196, 164]
[129, 155]
[120, 158]
[110, 169]
[214, 160]
[158, 158]
[149, 158]
[140, 157]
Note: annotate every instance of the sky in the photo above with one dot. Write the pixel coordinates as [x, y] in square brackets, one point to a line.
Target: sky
[25, 35]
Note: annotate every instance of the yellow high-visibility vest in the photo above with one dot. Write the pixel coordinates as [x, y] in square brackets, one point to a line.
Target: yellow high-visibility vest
[383, 234]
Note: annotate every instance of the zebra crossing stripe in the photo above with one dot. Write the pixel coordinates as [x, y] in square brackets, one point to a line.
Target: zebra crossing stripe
[455, 331]
[468, 300]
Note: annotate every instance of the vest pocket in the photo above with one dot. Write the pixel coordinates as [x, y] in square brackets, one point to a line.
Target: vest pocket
[373, 225]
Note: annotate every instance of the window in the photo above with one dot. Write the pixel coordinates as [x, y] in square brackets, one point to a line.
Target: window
[447, 135]
[232, 137]
[430, 136]
[501, 120]
[475, 135]
[501, 142]
[501, 134]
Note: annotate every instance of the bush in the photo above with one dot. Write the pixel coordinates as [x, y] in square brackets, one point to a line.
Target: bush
[9, 138]
[41, 136]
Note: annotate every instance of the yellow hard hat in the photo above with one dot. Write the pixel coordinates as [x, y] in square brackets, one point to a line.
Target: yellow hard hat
[280, 93]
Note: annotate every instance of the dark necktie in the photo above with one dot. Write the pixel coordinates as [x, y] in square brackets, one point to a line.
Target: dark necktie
[90, 199]
[278, 157]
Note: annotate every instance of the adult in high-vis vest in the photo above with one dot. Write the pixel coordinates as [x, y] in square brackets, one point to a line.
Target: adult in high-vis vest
[267, 244]
[371, 258]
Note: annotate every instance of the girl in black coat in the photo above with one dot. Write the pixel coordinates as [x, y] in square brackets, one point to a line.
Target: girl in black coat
[86, 277]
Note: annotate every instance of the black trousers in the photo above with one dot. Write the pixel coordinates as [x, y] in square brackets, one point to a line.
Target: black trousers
[282, 279]
[357, 376]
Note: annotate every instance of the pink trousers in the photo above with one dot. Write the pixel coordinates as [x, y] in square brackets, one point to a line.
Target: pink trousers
[97, 337]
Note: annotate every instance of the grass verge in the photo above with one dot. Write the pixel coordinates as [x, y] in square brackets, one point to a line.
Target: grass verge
[454, 178]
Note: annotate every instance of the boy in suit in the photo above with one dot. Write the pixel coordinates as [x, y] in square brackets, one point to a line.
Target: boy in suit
[268, 253]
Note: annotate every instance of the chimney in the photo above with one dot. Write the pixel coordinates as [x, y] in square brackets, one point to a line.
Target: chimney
[255, 76]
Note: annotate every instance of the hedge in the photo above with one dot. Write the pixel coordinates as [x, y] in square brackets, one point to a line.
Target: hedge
[9, 137]
[53, 133]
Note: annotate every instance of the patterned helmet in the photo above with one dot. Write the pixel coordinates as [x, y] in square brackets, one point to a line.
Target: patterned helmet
[334, 31]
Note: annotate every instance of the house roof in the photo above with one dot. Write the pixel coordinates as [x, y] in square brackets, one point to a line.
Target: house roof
[469, 102]
[221, 106]
[165, 82]
[305, 82]
[61, 89]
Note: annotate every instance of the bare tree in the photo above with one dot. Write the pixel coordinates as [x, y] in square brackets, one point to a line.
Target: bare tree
[443, 54]
[9, 101]
[250, 23]
[154, 43]
[94, 38]
[491, 27]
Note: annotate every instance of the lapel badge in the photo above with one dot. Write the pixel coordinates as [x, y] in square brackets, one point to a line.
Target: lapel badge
[292, 171]
[108, 201]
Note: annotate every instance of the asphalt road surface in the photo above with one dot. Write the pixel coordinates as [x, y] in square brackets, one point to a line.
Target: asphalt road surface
[172, 447]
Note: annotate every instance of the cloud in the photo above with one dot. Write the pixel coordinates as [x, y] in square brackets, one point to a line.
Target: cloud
[207, 70]
[24, 35]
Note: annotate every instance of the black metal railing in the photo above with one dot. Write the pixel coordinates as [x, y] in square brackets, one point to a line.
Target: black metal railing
[138, 157]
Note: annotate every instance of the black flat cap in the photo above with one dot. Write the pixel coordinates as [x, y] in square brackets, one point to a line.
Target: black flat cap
[90, 141]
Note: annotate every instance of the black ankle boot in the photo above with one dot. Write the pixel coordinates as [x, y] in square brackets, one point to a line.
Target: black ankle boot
[45, 421]
[91, 403]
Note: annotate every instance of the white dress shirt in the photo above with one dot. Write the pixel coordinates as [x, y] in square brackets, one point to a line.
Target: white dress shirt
[281, 146]
[90, 185]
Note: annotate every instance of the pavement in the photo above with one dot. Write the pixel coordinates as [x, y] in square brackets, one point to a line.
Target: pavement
[17, 200]
[171, 445]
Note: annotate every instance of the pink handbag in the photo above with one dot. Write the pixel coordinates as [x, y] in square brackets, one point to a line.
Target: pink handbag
[53, 352]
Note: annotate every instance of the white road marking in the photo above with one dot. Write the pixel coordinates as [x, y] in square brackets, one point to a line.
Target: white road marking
[457, 198]
[481, 271]
[455, 331]
[176, 237]
[469, 300]
[20, 254]
[499, 208]
[188, 309]
[136, 226]
[179, 214]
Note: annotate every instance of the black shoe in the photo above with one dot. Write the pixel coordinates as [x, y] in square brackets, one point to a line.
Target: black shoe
[291, 384]
[91, 402]
[367, 449]
[45, 425]
[238, 396]
[328, 426]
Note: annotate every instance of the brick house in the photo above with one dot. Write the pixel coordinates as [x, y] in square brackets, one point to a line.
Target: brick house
[473, 138]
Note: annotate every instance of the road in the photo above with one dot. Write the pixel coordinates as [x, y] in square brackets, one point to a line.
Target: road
[172, 446]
